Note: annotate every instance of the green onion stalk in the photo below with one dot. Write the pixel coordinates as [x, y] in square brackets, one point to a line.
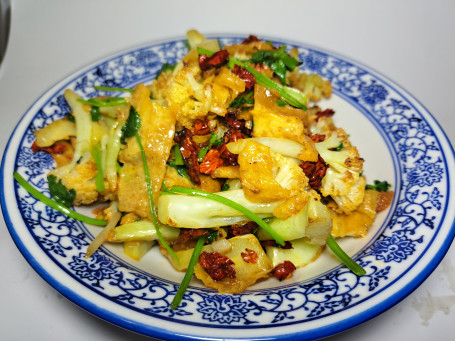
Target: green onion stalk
[55, 205]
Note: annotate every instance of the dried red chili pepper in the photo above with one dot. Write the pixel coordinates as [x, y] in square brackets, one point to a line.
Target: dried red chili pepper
[189, 150]
[241, 229]
[218, 266]
[250, 256]
[251, 38]
[201, 127]
[230, 120]
[212, 160]
[284, 270]
[54, 149]
[324, 113]
[246, 76]
[225, 154]
[218, 59]
[315, 171]
[317, 138]
[186, 235]
[287, 244]
[233, 135]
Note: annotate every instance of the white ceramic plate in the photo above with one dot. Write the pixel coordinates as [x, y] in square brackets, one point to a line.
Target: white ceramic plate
[400, 141]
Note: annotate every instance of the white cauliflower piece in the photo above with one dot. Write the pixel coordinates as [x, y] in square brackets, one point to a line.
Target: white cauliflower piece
[342, 180]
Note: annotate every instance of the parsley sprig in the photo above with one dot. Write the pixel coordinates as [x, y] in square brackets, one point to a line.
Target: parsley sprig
[380, 186]
[59, 192]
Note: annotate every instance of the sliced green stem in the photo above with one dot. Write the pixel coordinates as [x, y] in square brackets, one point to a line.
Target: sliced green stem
[109, 88]
[188, 274]
[109, 102]
[150, 199]
[201, 50]
[230, 203]
[99, 177]
[292, 96]
[55, 205]
[178, 158]
[344, 258]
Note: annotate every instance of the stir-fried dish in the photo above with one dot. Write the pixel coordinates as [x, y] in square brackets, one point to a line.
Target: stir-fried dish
[225, 162]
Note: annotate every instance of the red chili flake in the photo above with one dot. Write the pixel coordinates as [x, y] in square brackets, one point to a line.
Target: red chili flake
[284, 270]
[315, 171]
[201, 127]
[189, 150]
[54, 149]
[325, 113]
[317, 138]
[250, 256]
[241, 229]
[246, 76]
[217, 265]
[218, 59]
[287, 244]
[251, 38]
[212, 160]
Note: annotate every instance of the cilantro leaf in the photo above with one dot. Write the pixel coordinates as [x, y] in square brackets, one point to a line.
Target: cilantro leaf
[131, 126]
[380, 186]
[60, 193]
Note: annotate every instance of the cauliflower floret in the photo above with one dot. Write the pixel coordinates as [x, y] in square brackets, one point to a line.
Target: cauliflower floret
[313, 86]
[190, 99]
[342, 181]
[187, 98]
[268, 177]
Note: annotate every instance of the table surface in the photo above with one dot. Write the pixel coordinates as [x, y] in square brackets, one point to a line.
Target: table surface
[411, 42]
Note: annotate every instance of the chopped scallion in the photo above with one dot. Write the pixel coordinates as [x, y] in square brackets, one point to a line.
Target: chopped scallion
[344, 258]
[109, 88]
[188, 274]
[292, 96]
[55, 205]
[99, 177]
[109, 102]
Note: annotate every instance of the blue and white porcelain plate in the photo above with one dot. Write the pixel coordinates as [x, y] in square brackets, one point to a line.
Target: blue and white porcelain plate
[400, 142]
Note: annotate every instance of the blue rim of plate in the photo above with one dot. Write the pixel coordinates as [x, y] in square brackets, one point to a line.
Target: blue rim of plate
[413, 239]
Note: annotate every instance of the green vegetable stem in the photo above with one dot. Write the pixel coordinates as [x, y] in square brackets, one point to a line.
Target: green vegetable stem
[188, 274]
[344, 258]
[230, 203]
[54, 204]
